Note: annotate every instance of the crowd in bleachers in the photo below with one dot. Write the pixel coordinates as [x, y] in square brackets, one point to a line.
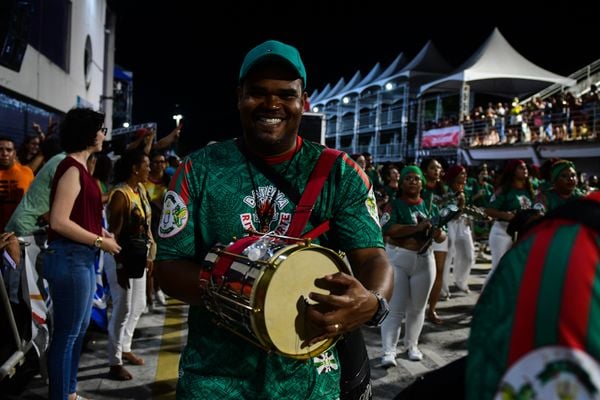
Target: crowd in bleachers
[561, 117]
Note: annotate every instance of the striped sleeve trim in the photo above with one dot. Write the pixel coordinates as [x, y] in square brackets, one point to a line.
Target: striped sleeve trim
[579, 292]
[179, 182]
[552, 283]
[523, 330]
[358, 169]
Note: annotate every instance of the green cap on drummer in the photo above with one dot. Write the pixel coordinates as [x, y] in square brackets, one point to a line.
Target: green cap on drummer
[273, 49]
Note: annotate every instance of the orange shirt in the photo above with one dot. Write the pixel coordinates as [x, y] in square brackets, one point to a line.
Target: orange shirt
[14, 182]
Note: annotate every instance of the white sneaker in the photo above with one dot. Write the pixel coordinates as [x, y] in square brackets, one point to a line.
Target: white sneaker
[445, 295]
[388, 360]
[414, 354]
[463, 288]
[160, 297]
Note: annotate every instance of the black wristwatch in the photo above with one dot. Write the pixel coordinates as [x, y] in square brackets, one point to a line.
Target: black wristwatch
[382, 311]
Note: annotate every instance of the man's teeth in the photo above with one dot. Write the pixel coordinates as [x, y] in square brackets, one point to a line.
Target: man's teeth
[272, 121]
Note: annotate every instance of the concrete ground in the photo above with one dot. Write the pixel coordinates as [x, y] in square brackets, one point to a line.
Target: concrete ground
[161, 335]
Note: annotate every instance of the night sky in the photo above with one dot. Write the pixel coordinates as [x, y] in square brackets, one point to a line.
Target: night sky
[158, 41]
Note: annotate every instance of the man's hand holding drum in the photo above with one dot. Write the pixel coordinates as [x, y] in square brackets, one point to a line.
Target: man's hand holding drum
[348, 306]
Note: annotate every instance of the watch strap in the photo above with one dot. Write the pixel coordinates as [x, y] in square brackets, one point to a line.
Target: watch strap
[381, 313]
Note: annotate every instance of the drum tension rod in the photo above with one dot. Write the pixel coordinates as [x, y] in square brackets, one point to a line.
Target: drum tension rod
[239, 256]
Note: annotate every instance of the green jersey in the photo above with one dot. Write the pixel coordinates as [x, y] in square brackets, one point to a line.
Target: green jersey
[550, 199]
[374, 177]
[486, 190]
[514, 199]
[433, 195]
[35, 201]
[391, 192]
[452, 196]
[404, 213]
[217, 194]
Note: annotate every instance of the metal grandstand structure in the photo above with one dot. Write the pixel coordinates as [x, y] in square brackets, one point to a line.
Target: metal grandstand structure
[387, 111]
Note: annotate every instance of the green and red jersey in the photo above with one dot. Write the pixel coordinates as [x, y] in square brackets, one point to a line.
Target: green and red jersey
[404, 213]
[216, 195]
[433, 195]
[536, 327]
[488, 190]
[512, 200]
[551, 199]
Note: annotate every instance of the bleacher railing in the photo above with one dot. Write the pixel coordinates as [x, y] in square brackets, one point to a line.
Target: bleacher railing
[567, 125]
[584, 73]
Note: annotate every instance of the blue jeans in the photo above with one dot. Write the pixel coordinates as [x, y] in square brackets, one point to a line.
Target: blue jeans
[69, 269]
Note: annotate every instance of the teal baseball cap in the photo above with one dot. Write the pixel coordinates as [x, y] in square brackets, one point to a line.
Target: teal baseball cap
[273, 49]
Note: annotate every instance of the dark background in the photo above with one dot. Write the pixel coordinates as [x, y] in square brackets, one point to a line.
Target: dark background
[187, 62]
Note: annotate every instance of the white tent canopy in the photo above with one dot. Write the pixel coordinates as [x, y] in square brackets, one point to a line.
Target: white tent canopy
[497, 68]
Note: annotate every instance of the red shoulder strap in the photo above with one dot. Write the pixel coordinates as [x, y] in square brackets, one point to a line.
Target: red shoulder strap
[313, 188]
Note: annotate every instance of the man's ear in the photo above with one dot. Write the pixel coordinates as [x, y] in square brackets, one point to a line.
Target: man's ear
[304, 100]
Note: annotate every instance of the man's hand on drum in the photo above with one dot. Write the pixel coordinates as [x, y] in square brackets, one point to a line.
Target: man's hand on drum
[348, 306]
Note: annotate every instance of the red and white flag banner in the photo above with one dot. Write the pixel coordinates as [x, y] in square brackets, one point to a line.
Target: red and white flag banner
[448, 136]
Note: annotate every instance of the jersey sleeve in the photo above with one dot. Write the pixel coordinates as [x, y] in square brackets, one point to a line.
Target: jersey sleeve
[398, 215]
[497, 201]
[176, 229]
[355, 223]
[390, 217]
[540, 201]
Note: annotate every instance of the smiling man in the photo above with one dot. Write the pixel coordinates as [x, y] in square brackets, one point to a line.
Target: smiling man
[253, 183]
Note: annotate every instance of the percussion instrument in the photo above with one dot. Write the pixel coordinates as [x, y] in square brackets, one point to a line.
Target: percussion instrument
[258, 287]
[447, 214]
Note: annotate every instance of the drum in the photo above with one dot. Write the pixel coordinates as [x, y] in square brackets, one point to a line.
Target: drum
[258, 288]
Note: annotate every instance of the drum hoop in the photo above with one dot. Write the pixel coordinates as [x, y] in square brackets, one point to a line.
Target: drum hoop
[257, 298]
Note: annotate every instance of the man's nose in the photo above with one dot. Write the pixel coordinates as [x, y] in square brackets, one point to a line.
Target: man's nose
[272, 101]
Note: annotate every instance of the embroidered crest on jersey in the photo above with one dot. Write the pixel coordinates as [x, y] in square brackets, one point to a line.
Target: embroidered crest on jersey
[325, 362]
[524, 202]
[371, 204]
[385, 218]
[267, 208]
[174, 215]
[553, 372]
[417, 216]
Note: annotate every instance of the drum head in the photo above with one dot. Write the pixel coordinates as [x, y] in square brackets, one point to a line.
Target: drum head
[282, 294]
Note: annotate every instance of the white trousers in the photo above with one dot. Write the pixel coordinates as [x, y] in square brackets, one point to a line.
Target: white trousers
[500, 243]
[461, 254]
[127, 307]
[413, 279]
[441, 246]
